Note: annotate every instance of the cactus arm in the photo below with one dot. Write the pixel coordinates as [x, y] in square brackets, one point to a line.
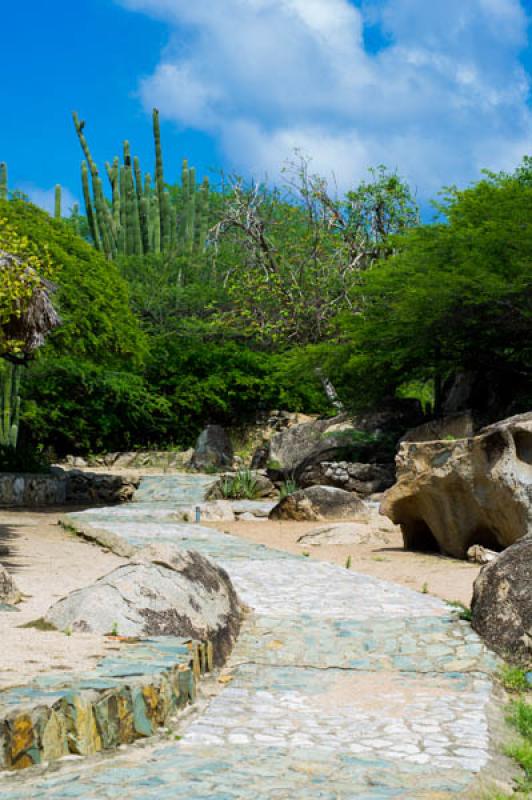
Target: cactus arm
[3, 180]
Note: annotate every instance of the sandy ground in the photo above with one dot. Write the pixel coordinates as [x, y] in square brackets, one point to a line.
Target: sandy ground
[47, 563]
[443, 577]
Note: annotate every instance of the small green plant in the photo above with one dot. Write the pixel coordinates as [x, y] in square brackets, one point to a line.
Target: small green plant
[348, 562]
[425, 588]
[287, 488]
[114, 629]
[513, 678]
[68, 631]
[520, 718]
[305, 553]
[464, 611]
[241, 486]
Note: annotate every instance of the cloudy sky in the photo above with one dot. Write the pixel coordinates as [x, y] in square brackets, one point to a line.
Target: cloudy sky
[438, 90]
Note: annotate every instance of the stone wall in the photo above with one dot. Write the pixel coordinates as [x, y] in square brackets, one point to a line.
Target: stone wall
[64, 487]
[364, 479]
[126, 698]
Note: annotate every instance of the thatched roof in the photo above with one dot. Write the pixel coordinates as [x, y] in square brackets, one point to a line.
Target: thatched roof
[38, 317]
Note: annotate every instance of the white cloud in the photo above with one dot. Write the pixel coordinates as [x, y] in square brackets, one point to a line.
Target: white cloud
[443, 97]
[45, 198]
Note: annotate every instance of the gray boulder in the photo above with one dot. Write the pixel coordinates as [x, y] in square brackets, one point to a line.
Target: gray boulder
[213, 449]
[163, 591]
[502, 603]
[295, 448]
[319, 503]
[9, 592]
[451, 495]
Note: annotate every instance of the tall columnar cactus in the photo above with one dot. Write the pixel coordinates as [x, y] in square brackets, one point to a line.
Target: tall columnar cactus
[9, 404]
[159, 174]
[3, 180]
[143, 217]
[57, 201]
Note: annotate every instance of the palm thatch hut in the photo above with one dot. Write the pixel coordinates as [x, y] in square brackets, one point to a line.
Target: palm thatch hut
[33, 320]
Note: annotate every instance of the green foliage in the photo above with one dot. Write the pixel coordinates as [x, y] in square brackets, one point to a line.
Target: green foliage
[241, 486]
[455, 296]
[513, 678]
[287, 487]
[92, 298]
[520, 718]
[464, 611]
[27, 457]
[24, 266]
[81, 406]
[141, 220]
[291, 257]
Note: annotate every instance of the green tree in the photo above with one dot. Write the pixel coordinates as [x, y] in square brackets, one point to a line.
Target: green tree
[456, 296]
[290, 258]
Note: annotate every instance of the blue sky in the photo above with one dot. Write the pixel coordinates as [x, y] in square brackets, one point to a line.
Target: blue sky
[438, 89]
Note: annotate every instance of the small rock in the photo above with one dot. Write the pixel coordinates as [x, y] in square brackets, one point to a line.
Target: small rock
[343, 533]
[317, 503]
[9, 592]
[480, 555]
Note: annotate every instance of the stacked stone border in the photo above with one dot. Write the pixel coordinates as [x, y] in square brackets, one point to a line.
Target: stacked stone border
[124, 699]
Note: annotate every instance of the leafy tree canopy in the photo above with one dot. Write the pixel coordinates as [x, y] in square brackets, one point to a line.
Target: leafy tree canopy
[92, 297]
[455, 296]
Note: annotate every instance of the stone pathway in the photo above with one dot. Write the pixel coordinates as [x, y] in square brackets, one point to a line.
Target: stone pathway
[343, 687]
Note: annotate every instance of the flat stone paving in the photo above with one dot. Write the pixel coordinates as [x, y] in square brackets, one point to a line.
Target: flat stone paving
[344, 688]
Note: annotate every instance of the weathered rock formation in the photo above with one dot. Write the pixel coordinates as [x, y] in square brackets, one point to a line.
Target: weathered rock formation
[319, 503]
[345, 533]
[453, 426]
[9, 592]
[502, 603]
[162, 591]
[451, 495]
[342, 438]
[213, 449]
[364, 479]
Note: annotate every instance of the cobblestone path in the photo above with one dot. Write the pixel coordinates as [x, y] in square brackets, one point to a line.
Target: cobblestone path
[344, 687]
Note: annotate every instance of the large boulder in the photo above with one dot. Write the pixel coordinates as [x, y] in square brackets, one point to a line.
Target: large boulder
[364, 479]
[213, 449]
[453, 494]
[369, 438]
[9, 592]
[319, 503]
[502, 603]
[162, 591]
